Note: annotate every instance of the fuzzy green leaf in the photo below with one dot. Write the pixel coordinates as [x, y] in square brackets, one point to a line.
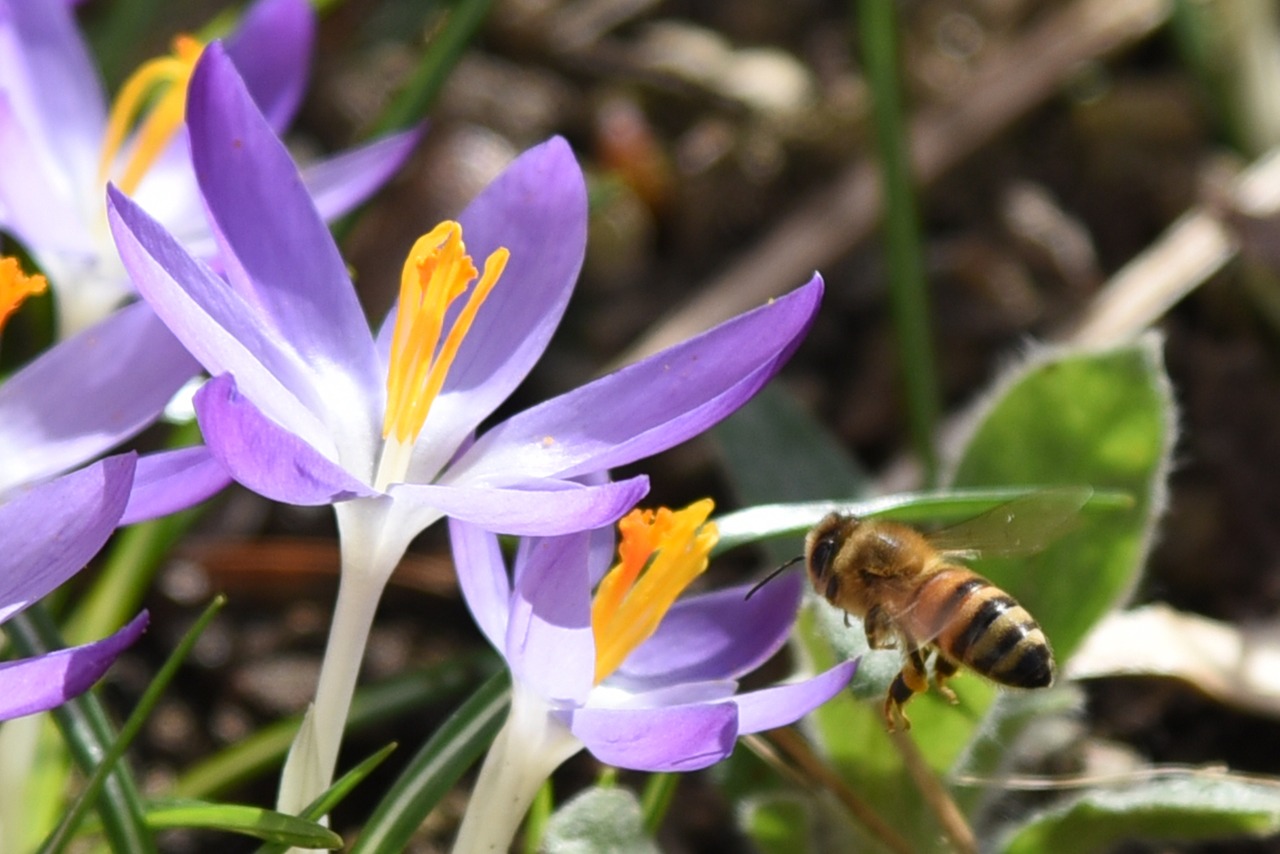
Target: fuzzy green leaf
[1183, 808]
[599, 821]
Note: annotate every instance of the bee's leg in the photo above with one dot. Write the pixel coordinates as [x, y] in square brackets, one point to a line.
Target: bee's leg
[943, 669]
[911, 680]
[879, 629]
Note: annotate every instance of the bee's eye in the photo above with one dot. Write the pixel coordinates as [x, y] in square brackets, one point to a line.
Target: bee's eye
[824, 551]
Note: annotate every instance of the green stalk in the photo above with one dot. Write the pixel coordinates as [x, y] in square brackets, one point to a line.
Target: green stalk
[447, 46]
[908, 294]
[659, 791]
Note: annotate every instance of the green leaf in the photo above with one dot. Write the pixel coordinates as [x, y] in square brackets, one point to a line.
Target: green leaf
[599, 821]
[58, 840]
[1196, 806]
[764, 521]
[331, 797]
[454, 748]
[1100, 418]
[245, 820]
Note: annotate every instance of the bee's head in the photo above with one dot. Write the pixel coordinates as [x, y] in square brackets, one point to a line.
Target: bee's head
[823, 544]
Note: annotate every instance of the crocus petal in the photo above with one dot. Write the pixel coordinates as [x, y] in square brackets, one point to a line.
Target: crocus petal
[46, 67]
[785, 704]
[720, 635]
[36, 684]
[549, 645]
[611, 695]
[277, 251]
[88, 394]
[49, 532]
[537, 208]
[651, 405]
[482, 575]
[272, 51]
[679, 738]
[170, 481]
[546, 507]
[264, 456]
[337, 184]
[35, 202]
[222, 331]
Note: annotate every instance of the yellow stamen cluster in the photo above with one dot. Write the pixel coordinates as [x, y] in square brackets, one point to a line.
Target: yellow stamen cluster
[16, 286]
[437, 272]
[161, 85]
[661, 553]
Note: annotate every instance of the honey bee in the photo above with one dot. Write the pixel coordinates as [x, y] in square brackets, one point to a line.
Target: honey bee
[912, 597]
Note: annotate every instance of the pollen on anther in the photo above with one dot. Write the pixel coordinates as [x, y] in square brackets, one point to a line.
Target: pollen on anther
[660, 553]
[436, 273]
[16, 286]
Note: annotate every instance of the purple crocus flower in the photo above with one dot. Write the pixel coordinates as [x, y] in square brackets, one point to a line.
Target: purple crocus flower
[306, 406]
[638, 681]
[55, 132]
[47, 534]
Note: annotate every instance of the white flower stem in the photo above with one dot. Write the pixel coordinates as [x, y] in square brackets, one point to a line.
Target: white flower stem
[309, 773]
[530, 745]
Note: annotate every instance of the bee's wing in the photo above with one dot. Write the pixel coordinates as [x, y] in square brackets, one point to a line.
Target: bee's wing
[1019, 527]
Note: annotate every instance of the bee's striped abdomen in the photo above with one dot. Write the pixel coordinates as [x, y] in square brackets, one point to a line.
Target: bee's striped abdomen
[984, 628]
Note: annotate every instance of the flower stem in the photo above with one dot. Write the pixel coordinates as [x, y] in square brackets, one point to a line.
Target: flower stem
[530, 745]
[314, 755]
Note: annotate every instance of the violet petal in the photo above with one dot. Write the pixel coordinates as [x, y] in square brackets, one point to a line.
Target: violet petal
[214, 323]
[679, 738]
[272, 50]
[651, 405]
[482, 575]
[36, 684]
[89, 393]
[169, 481]
[550, 645]
[277, 251]
[52, 224]
[547, 507]
[264, 456]
[50, 531]
[785, 704]
[719, 635]
[339, 183]
[45, 65]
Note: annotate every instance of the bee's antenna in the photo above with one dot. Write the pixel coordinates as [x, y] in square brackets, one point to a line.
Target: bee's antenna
[771, 576]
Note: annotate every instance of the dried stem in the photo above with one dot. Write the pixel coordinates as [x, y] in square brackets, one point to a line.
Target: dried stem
[935, 794]
[808, 769]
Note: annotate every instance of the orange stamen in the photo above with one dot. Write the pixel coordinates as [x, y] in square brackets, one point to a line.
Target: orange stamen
[661, 553]
[437, 272]
[16, 286]
[164, 81]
